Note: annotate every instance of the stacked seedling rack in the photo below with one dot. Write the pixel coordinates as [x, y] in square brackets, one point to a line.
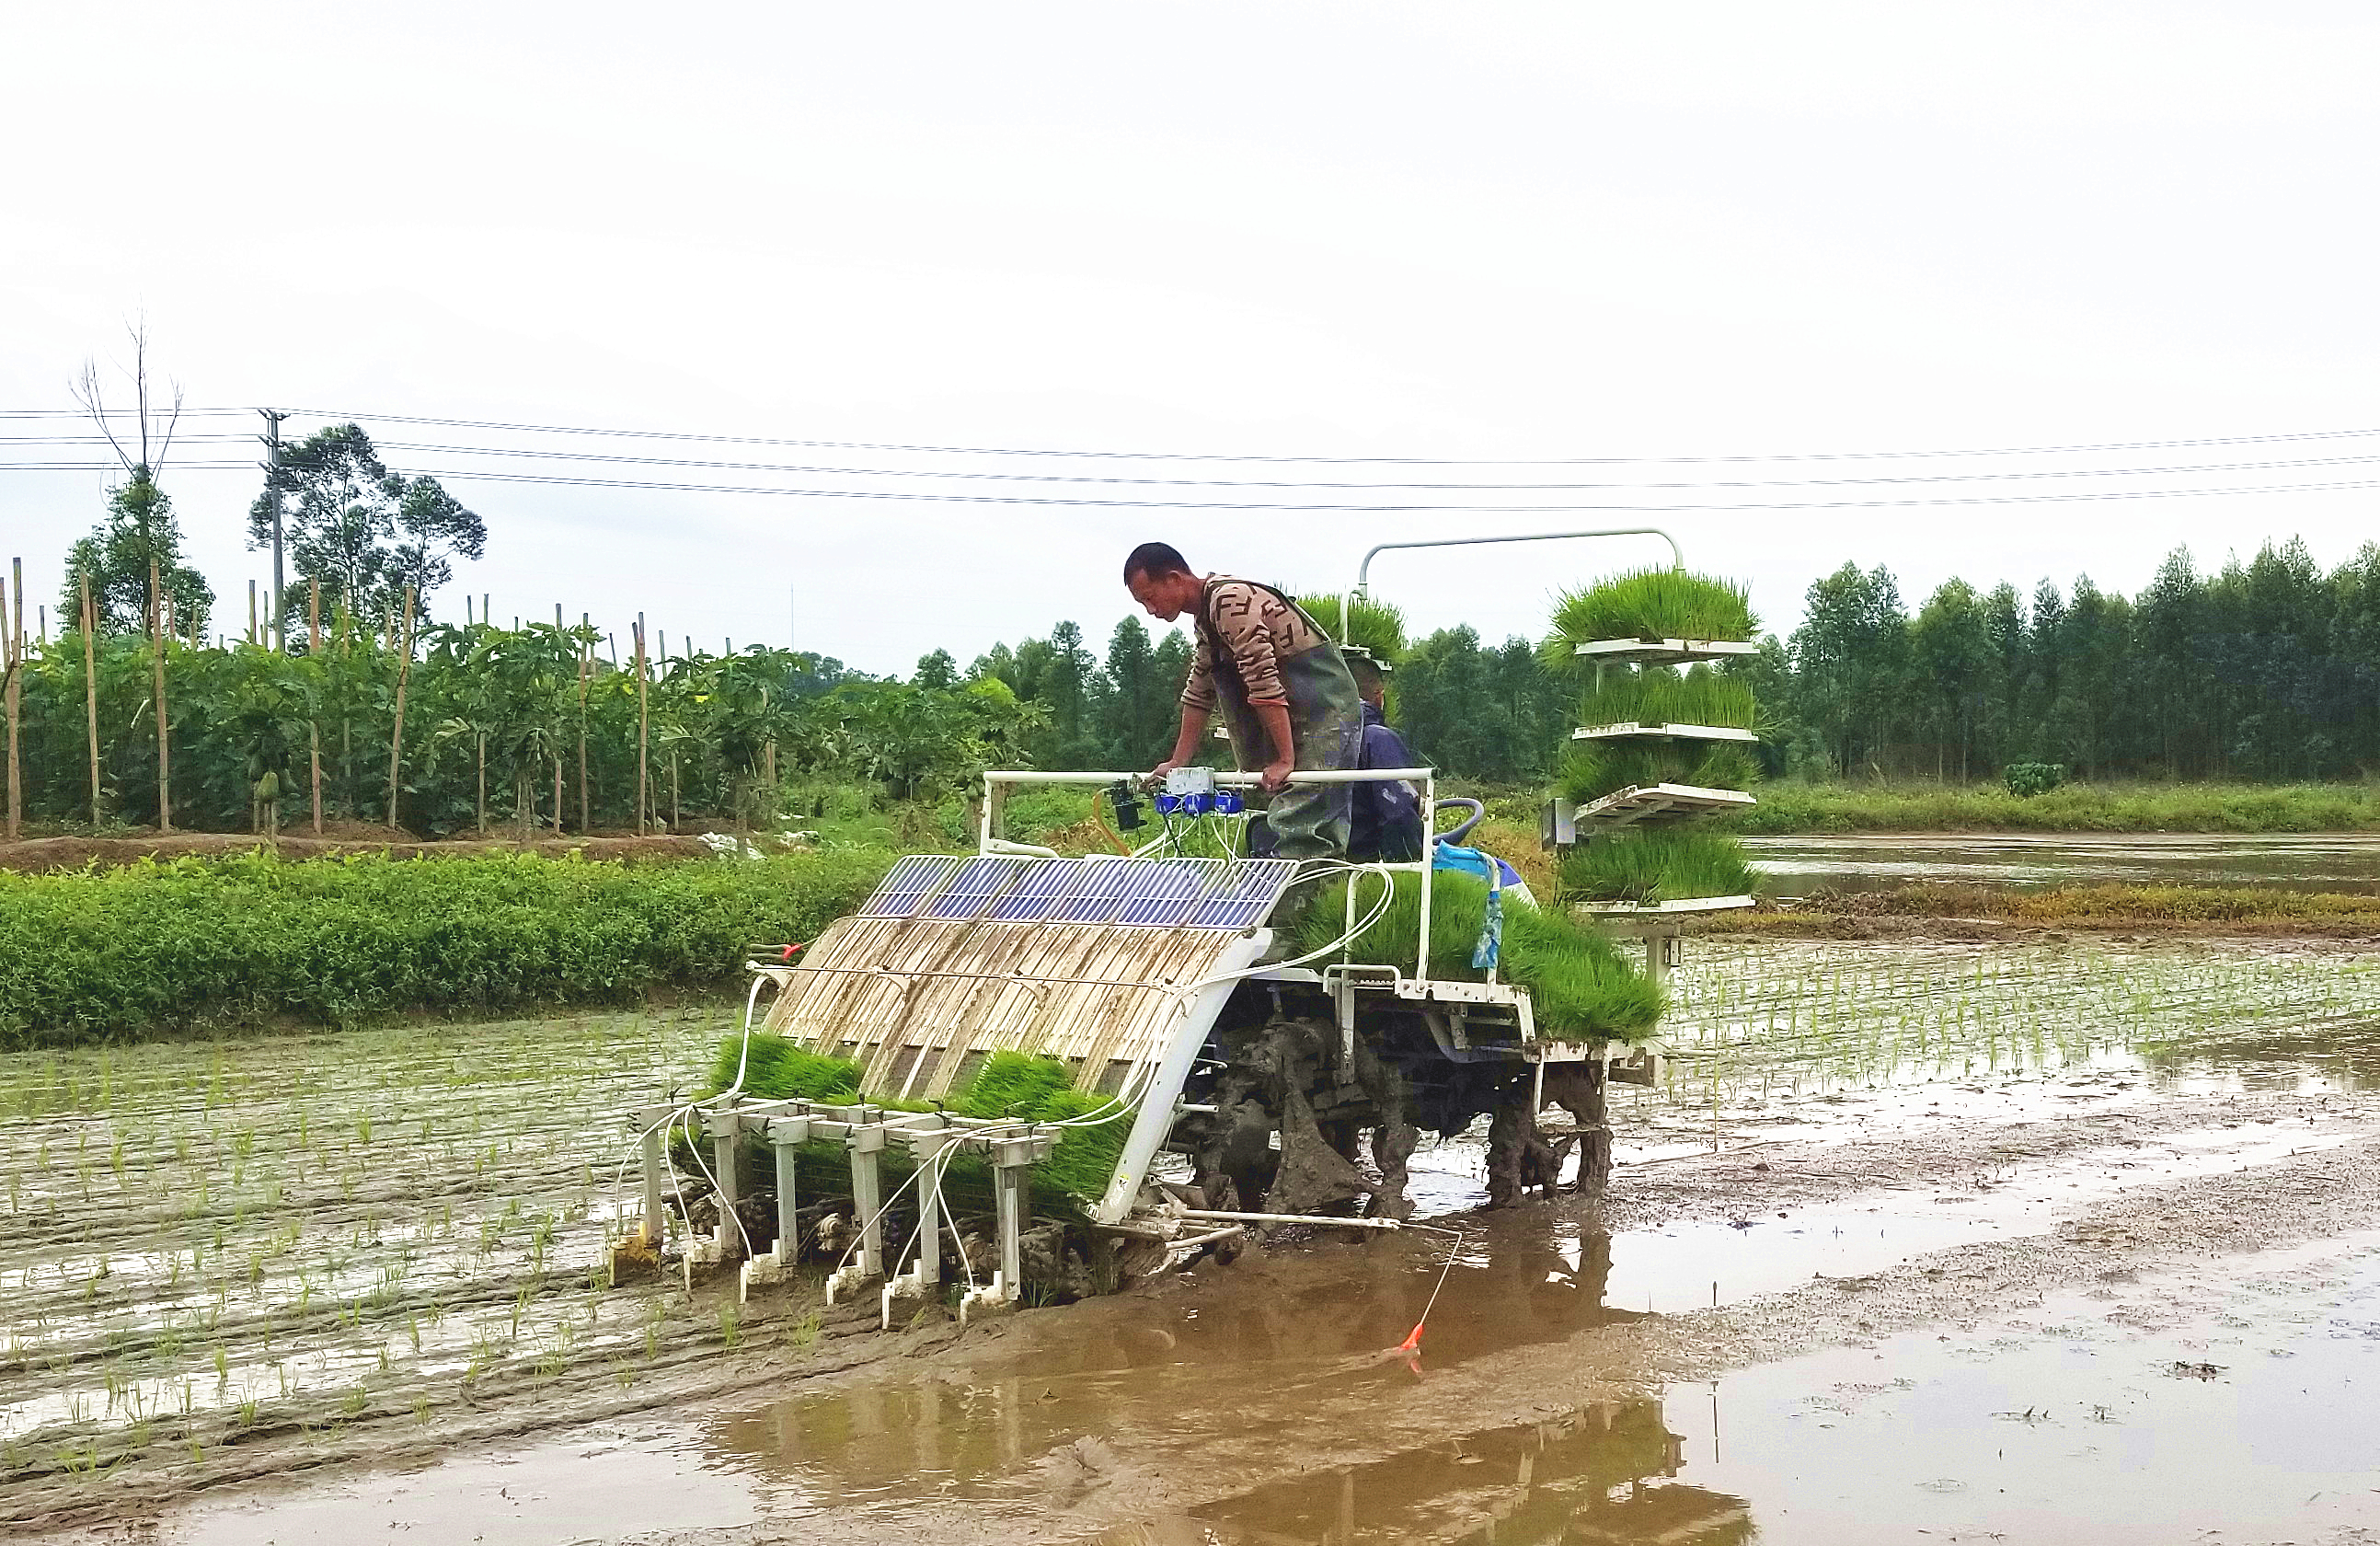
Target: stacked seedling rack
[1662, 744]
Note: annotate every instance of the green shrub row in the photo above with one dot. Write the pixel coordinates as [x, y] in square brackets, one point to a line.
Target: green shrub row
[157, 949]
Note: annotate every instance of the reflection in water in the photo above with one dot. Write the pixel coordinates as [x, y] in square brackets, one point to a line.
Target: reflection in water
[1600, 1473]
[1311, 1347]
[1254, 1376]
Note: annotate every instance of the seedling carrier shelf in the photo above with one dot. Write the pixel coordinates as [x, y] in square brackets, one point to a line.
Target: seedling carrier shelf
[1639, 806]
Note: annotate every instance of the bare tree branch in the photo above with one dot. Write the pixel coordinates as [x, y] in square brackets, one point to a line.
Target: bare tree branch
[86, 392]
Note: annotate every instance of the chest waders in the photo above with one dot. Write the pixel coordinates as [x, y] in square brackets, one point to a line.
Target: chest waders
[1326, 732]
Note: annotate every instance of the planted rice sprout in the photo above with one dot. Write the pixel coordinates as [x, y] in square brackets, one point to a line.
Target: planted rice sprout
[293, 1316]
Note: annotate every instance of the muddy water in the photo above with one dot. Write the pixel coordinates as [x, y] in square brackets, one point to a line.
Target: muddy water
[2085, 1419]
[2332, 862]
[1258, 1403]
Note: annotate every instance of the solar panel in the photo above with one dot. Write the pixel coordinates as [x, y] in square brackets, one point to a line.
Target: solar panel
[1243, 894]
[1168, 890]
[977, 885]
[1031, 900]
[1104, 891]
[911, 881]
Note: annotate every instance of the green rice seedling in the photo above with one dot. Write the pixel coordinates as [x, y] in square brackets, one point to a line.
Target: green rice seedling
[1580, 986]
[1378, 626]
[1659, 695]
[806, 1331]
[1658, 865]
[731, 1330]
[1651, 604]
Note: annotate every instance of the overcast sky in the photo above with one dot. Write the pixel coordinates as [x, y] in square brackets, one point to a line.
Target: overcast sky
[1483, 233]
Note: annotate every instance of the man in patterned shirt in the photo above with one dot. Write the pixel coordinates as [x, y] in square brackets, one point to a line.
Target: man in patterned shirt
[1284, 691]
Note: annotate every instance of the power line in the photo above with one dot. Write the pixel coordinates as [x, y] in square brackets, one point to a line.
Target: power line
[969, 475]
[2080, 449]
[1317, 508]
[120, 412]
[467, 475]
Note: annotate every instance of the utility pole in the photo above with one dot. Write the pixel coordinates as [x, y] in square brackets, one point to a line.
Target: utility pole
[272, 438]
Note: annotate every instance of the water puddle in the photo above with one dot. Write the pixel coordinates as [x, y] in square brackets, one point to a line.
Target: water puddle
[622, 1482]
[2252, 1419]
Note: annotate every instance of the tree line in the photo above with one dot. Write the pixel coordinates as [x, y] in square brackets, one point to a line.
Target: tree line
[346, 700]
[2263, 670]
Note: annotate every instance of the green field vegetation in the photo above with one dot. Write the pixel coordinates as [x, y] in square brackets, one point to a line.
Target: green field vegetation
[1015, 1085]
[1792, 807]
[161, 949]
[1658, 864]
[1651, 604]
[1581, 986]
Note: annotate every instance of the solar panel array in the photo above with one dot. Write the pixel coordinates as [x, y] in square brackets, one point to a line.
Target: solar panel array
[1153, 892]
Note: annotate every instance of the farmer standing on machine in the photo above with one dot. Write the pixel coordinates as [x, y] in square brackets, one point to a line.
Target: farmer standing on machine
[1286, 695]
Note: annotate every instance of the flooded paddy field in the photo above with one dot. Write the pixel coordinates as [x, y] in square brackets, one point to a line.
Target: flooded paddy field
[2030, 1240]
[1795, 866]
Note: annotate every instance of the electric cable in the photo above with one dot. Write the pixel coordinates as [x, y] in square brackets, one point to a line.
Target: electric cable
[1319, 507]
[932, 449]
[971, 475]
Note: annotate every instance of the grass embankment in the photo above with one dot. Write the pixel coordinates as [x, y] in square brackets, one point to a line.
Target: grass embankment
[2153, 908]
[2116, 808]
[159, 949]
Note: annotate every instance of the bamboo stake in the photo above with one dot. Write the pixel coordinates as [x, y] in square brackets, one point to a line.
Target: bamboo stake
[483, 783]
[251, 612]
[557, 794]
[91, 689]
[157, 655]
[313, 723]
[643, 725]
[585, 664]
[14, 657]
[396, 737]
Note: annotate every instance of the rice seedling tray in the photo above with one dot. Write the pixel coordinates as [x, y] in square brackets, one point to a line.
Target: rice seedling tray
[1630, 730]
[1661, 652]
[1641, 805]
[1655, 910]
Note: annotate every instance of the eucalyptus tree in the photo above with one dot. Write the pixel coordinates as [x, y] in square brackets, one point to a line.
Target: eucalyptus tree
[364, 531]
